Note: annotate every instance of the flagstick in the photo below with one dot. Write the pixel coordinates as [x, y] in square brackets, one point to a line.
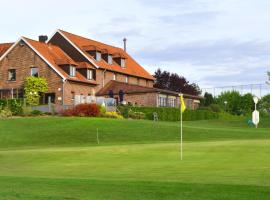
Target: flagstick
[181, 135]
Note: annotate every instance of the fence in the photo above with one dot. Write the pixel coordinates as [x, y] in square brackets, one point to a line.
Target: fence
[258, 90]
[109, 103]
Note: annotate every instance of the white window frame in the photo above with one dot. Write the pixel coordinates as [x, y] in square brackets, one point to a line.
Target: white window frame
[72, 71]
[89, 74]
[10, 75]
[98, 56]
[123, 62]
[110, 59]
[114, 77]
[126, 79]
[31, 71]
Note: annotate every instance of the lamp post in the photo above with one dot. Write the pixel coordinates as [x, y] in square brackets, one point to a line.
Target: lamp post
[256, 114]
[225, 102]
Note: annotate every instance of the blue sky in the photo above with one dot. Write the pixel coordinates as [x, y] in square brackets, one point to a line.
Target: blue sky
[210, 42]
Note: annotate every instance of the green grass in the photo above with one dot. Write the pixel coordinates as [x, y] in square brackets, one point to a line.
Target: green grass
[58, 158]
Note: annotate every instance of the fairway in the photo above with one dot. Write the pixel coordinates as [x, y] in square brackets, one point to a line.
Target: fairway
[59, 158]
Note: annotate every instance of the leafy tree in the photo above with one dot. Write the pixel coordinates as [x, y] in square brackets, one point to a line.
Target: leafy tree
[233, 99]
[264, 103]
[33, 88]
[247, 104]
[208, 99]
[236, 103]
[174, 82]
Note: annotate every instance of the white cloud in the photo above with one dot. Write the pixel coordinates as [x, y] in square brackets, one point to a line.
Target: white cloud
[208, 41]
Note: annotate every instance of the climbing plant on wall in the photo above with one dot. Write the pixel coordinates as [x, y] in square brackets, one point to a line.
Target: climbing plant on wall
[33, 88]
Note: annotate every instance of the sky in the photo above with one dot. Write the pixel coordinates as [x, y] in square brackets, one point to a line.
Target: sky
[210, 42]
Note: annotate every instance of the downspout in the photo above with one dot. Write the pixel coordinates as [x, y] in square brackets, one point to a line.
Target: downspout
[103, 81]
[63, 92]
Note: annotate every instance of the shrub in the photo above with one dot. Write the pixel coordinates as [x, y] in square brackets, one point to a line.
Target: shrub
[67, 112]
[215, 108]
[136, 115]
[33, 87]
[36, 112]
[82, 110]
[102, 110]
[171, 114]
[14, 105]
[26, 111]
[114, 115]
[5, 113]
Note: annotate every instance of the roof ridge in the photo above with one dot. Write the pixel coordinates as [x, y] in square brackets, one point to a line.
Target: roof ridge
[90, 39]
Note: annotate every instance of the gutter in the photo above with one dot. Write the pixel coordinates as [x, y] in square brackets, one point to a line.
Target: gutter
[103, 81]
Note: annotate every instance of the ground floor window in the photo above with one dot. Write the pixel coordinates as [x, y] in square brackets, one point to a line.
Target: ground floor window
[162, 101]
[171, 102]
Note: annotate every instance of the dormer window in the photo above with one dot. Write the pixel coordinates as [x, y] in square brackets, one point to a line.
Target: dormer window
[98, 56]
[123, 63]
[72, 70]
[89, 74]
[110, 60]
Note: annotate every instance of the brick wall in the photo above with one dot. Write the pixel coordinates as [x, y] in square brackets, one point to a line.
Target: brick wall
[22, 58]
[146, 99]
[78, 89]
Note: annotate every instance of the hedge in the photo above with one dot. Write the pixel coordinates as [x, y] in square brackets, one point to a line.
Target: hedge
[14, 105]
[170, 114]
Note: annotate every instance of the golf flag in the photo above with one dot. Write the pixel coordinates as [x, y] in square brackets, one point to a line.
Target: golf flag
[182, 102]
[182, 109]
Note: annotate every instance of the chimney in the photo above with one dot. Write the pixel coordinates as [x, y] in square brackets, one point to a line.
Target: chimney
[43, 38]
[125, 44]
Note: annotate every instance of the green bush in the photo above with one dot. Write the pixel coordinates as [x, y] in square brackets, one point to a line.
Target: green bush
[170, 114]
[14, 105]
[36, 112]
[215, 108]
[5, 113]
[136, 115]
[113, 115]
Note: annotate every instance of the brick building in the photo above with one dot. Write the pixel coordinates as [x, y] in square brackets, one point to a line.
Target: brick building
[78, 69]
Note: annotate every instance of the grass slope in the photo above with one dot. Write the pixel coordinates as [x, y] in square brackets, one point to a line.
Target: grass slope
[58, 158]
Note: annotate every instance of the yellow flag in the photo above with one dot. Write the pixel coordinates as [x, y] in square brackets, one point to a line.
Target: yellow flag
[183, 105]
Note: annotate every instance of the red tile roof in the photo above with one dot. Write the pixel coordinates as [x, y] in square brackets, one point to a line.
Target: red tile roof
[4, 47]
[116, 86]
[132, 67]
[56, 56]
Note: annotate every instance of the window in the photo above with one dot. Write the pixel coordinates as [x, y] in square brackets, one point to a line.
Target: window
[12, 74]
[110, 60]
[34, 71]
[126, 79]
[123, 63]
[98, 56]
[89, 74]
[72, 71]
[72, 96]
[171, 102]
[114, 77]
[162, 101]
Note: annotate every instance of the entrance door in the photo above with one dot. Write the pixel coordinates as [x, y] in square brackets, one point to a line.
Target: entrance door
[51, 95]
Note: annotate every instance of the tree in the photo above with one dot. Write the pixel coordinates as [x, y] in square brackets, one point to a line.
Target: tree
[174, 82]
[33, 88]
[236, 103]
[208, 99]
[233, 99]
[264, 103]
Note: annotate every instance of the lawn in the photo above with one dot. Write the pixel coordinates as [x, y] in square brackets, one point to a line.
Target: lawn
[59, 158]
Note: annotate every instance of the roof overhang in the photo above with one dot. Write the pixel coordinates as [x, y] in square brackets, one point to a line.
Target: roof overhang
[42, 57]
[75, 46]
